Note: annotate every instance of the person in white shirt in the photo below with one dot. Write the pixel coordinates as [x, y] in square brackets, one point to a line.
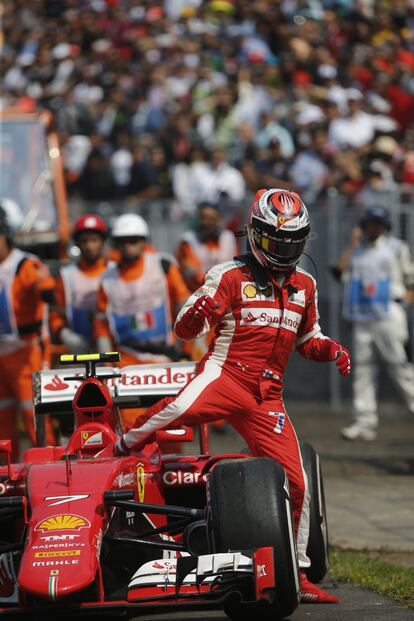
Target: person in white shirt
[379, 284]
[357, 128]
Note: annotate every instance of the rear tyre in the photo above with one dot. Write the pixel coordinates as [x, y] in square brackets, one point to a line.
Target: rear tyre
[249, 508]
[318, 544]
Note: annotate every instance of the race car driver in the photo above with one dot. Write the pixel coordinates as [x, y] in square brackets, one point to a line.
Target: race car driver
[26, 286]
[71, 320]
[264, 307]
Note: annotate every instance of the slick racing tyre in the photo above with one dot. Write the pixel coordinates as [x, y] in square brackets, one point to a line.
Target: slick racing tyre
[249, 507]
[318, 545]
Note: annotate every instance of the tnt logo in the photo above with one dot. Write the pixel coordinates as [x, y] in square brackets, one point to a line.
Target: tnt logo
[280, 418]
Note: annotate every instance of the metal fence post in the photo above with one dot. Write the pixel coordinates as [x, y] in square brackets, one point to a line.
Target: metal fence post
[335, 211]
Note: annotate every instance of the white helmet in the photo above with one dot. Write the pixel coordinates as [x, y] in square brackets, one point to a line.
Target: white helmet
[130, 225]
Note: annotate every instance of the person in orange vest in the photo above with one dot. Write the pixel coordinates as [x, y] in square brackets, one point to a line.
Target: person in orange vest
[71, 320]
[138, 300]
[139, 297]
[204, 246]
[26, 287]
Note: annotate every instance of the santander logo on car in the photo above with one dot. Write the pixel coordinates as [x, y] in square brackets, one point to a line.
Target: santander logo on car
[151, 375]
[56, 384]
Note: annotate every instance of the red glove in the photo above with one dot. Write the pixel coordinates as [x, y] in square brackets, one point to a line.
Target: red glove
[343, 361]
[342, 357]
[192, 322]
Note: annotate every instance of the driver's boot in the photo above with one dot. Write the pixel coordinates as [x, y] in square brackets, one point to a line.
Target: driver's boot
[312, 594]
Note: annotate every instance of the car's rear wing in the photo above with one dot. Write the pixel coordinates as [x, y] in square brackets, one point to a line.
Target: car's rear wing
[136, 386]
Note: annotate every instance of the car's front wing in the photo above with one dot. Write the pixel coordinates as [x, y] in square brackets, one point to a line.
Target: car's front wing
[207, 580]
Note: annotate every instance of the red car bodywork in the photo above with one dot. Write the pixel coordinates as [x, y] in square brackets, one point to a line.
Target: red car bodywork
[77, 517]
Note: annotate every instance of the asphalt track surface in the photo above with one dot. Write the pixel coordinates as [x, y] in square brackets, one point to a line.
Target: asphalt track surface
[356, 605]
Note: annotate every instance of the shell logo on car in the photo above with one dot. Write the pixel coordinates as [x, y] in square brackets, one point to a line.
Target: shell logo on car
[62, 522]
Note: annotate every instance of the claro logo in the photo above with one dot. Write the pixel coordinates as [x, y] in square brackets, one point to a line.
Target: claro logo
[272, 317]
[179, 477]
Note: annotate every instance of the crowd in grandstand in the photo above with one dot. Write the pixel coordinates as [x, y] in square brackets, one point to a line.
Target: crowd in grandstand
[201, 99]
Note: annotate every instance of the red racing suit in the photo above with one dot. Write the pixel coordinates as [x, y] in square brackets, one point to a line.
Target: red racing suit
[240, 378]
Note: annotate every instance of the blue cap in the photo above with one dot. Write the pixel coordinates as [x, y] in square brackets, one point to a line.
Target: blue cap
[377, 214]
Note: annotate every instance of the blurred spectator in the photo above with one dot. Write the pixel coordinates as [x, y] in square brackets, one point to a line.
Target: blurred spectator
[162, 170]
[197, 76]
[96, 182]
[188, 180]
[356, 128]
[271, 131]
[121, 164]
[310, 171]
[144, 182]
[408, 168]
[224, 179]
[273, 166]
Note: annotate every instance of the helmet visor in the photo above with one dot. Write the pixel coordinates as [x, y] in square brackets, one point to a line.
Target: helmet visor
[284, 248]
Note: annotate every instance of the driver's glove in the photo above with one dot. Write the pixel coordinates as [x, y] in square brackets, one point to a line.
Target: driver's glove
[341, 356]
[121, 449]
[193, 320]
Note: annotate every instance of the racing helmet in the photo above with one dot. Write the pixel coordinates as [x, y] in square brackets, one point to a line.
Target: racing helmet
[90, 223]
[278, 227]
[130, 225]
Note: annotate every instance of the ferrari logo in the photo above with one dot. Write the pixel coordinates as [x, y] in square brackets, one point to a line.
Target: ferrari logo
[62, 522]
[250, 291]
[282, 219]
[91, 438]
[141, 482]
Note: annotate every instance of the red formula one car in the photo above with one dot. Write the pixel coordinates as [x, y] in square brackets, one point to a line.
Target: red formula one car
[84, 532]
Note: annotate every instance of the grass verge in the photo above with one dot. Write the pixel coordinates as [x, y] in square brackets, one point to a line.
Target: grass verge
[371, 572]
